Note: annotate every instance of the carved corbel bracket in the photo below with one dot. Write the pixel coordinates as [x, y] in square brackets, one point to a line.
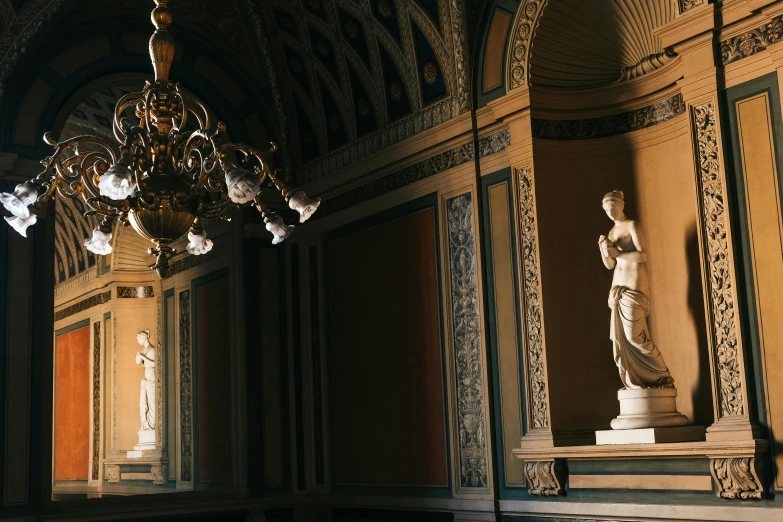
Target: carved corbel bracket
[160, 473]
[737, 478]
[112, 473]
[545, 478]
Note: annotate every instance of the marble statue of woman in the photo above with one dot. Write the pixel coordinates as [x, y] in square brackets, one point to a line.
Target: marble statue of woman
[146, 357]
[635, 354]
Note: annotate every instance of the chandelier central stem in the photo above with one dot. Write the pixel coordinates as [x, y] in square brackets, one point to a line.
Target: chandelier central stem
[161, 42]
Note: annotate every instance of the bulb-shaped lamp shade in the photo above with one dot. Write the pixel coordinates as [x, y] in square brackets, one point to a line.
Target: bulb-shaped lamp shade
[21, 224]
[279, 230]
[117, 182]
[99, 243]
[243, 186]
[198, 244]
[304, 205]
[23, 196]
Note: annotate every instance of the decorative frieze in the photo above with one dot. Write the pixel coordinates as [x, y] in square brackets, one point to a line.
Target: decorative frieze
[455, 157]
[545, 478]
[721, 293]
[185, 389]
[467, 343]
[94, 300]
[751, 42]
[135, 292]
[531, 297]
[612, 125]
[96, 399]
[525, 26]
[736, 478]
[686, 5]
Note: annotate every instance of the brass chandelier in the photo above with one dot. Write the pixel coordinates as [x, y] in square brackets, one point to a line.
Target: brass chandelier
[159, 177]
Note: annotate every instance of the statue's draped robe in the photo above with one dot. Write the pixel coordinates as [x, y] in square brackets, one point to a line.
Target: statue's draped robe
[638, 359]
[147, 404]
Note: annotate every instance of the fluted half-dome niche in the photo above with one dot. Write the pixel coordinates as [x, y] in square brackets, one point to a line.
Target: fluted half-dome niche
[581, 44]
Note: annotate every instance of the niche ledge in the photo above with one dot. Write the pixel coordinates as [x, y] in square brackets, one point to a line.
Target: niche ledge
[734, 465]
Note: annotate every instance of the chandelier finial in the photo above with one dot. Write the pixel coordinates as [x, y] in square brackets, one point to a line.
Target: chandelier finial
[161, 42]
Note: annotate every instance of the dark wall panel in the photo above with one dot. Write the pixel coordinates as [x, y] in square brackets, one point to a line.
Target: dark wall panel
[72, 388]
[214, 381]
[386, 356]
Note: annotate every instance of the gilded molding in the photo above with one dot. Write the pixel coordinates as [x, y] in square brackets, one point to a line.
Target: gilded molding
[751, 42]
[611, 125]
[545, 478]
[737, 478]
[459, 155]
[724, 330]
[113, 473]
[531, 297]
[525, 25]
[94, 300]
[467, 343]
[185, 389]
[96, 399]
[135, 292]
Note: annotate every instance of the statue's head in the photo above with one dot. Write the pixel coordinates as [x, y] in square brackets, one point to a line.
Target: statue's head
[143, 336]
[613, 204]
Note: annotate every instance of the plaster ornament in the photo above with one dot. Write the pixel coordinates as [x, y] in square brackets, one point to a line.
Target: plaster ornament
[146, 358]
[637, 358]
[304, 205]
[278, 228]
[117, 182]
[99, 243]
[243, 186]
[198, 243]
[21, 224]
[19, 201]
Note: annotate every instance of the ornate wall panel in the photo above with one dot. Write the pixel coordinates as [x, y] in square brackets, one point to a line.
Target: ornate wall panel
[466, 332]
[185, 389]
[722, 300]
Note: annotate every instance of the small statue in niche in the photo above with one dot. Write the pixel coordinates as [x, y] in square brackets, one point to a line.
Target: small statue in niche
[635, 354]
[146, 357]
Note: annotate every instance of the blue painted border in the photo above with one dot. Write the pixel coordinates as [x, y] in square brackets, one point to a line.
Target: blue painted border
[429, 201]
[487, 182]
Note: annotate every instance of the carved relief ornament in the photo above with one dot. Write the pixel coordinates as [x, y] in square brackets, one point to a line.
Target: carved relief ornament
[721, 293]
[545, 478]
[525, 25]
[96, 400]
[531, 297]
[736, 478]
[185, 390]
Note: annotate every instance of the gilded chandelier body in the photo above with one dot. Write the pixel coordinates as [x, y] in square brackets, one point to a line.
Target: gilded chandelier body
[159, 177]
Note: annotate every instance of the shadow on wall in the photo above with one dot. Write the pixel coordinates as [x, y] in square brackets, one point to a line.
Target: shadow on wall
[703, 413]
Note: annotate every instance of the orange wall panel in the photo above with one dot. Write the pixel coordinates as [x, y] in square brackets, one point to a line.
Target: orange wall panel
[72, 389]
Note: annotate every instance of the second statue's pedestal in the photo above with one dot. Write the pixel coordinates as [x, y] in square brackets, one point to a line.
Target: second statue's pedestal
[648, 408]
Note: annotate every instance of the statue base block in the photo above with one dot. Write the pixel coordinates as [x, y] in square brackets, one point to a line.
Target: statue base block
[650, 435]
[648, 408]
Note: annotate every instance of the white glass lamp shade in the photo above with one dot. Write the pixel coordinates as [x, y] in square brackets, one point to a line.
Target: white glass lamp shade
[243, 186]
[198, 244]
[100, 243]
[21, 224]
[304, 205]
[117, 182]
[279, 230]
[23, 196]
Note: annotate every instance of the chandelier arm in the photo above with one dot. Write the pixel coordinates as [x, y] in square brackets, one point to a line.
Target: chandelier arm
[126, 102]
[205, 123]
[215, 208]
[184, 121]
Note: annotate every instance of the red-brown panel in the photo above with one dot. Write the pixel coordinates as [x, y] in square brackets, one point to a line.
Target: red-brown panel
[72, 390]
[214, 381]
[387, 368]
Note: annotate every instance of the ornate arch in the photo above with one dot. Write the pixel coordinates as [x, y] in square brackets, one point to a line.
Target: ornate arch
[518, 53]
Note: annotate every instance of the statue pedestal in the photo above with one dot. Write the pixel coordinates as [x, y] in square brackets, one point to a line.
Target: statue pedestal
[648, 408]
[146, 443]
[650, 435]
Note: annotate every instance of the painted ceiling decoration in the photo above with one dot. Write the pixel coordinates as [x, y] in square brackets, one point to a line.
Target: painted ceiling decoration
[360, 76]
[609, 41]
[71, 257]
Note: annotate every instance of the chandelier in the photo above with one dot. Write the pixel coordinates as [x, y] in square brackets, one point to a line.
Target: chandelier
[165, 174]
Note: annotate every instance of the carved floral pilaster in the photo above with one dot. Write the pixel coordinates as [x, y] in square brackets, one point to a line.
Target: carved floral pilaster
[721, 295]
[531, 297]
[466, 333]
[185, 390]
[96, 400]
[737, 478]
[545, 478]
